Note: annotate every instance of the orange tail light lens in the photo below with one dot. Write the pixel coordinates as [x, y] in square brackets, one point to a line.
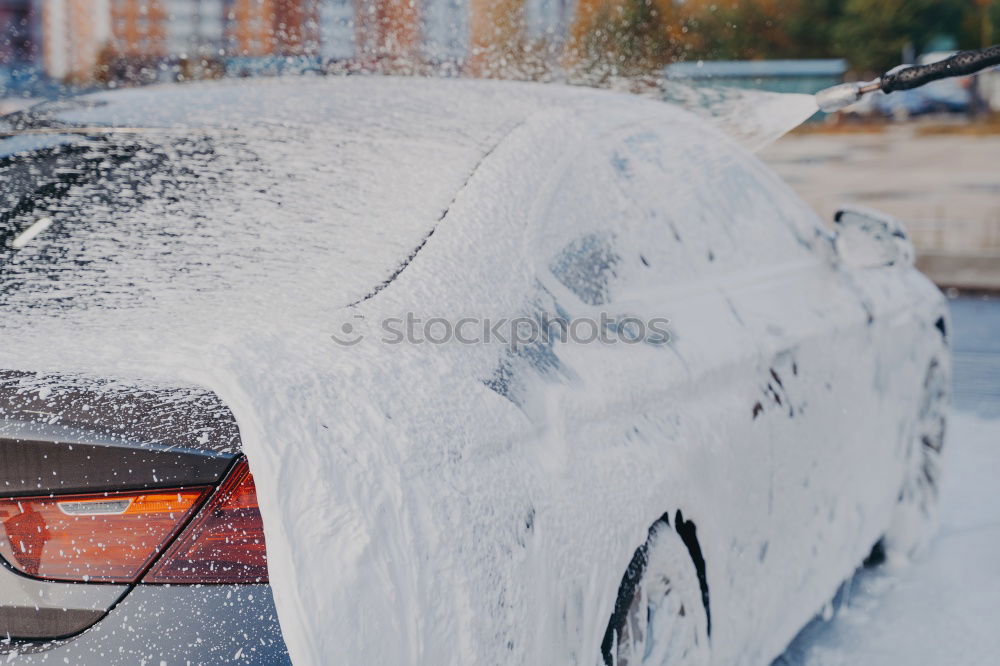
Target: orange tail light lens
[105, 537]
[224, 543]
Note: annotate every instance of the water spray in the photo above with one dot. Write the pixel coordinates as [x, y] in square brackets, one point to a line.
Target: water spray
[906, 78]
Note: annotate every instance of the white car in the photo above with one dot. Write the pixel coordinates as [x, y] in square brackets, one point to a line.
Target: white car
[719, 410]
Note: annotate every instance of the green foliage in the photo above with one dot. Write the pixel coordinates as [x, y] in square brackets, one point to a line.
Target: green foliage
[874, 33]
[811, 28]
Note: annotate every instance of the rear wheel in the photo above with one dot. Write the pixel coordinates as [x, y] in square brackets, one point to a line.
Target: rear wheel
[917, 504]
[660, 617]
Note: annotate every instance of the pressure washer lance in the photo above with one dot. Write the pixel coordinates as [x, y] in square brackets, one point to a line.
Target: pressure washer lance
[963, 63]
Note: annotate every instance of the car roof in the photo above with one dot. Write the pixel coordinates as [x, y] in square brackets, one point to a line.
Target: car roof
[324, 181]
[452, 110]
[473, 115]
[353, 173]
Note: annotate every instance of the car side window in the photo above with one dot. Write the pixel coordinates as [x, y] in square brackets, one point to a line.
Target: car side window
[586, 266]
[704, 207]
[664, 206]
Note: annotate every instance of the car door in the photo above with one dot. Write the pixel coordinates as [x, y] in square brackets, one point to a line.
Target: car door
[777, 345]
[834, 369]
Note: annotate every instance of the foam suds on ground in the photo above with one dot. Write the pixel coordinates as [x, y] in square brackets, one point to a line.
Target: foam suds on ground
[942, 608]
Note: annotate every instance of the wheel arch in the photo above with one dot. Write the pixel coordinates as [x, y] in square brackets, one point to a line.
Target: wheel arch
[687, 530]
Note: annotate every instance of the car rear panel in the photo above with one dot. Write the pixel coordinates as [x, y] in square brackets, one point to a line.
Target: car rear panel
[34, 609]
[63, 435]
[159, 624]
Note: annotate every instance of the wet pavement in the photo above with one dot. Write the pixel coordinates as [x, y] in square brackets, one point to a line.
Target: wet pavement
[976, 349]
[920, 179]
[944, 187]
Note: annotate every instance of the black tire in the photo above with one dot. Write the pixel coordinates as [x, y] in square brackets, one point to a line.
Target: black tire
[916, 511]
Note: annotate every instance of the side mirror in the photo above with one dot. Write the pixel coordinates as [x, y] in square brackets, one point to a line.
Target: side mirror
[868, 239]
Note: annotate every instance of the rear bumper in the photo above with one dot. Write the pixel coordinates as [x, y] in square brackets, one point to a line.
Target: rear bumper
[224, 624]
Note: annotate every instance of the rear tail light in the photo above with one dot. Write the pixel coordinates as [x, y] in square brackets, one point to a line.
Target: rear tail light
[106, 537]
[115, 537]
[224, 543]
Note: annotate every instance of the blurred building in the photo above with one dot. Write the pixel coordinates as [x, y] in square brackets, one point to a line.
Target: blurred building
[79, 37]
[549, 19]
[386, 28]
[73, 34]
[336, 29]
[296, 27]
[138, 29]
[195, 27]
[272, 27]
[444, 27]
[83, 40]
[17, 34]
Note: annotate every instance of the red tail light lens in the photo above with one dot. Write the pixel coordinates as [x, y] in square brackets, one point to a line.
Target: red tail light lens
[224, 543]
[106, 537]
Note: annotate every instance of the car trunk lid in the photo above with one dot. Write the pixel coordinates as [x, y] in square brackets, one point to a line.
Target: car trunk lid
[88, 449]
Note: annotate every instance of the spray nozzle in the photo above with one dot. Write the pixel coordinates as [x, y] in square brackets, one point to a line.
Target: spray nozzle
[842, 96]
[905, 77]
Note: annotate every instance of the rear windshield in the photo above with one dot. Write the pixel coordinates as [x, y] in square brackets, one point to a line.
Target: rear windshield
[85, 176]
[131, 216]
[94, 194]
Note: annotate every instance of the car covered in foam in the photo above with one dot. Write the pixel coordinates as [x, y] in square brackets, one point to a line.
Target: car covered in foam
[194, 274]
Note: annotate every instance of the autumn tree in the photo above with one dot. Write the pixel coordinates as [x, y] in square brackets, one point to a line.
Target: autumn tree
[626, 36]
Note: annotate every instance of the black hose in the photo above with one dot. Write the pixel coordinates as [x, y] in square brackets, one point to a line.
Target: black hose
[960, 64]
